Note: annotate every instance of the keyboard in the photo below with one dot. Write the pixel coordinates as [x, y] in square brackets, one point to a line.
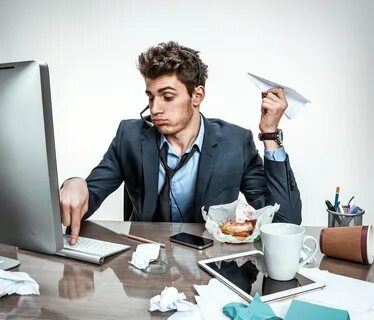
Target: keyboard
[90, 250]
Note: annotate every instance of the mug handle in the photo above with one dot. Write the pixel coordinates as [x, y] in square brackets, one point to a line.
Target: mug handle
[312, 254]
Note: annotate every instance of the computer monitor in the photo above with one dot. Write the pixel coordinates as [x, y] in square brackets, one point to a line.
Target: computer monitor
[29, 199]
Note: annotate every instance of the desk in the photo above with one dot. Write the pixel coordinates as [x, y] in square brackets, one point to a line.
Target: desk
[71, 289]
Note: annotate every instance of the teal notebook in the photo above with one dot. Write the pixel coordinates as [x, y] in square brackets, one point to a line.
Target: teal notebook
[309, 311]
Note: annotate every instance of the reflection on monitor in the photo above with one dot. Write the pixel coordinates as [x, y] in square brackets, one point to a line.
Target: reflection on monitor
[29, 200]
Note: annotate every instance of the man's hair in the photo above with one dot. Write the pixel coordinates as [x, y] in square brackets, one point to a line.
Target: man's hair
[172, 58]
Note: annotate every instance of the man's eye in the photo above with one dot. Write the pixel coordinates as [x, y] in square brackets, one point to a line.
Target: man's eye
[168, 98]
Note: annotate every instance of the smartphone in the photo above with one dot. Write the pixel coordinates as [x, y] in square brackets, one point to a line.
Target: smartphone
[191, 240]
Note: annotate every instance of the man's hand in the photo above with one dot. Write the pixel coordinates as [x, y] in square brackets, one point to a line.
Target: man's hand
[73, 205]
[68, 288]
[273, 105]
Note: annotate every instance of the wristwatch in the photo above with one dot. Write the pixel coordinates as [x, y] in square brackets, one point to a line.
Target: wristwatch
[277, 136]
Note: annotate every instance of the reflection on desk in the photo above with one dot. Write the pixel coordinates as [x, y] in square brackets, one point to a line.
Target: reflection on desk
[71, 289]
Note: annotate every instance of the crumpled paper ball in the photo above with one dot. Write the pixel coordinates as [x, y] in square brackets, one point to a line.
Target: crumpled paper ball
[170, 299]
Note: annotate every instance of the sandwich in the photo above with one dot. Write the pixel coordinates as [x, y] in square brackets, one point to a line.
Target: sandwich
[239, 230]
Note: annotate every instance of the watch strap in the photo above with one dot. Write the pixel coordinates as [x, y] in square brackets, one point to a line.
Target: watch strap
[268, 136]
[276, 136]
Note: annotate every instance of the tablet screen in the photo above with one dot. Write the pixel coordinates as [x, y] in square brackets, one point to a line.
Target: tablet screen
[247, 273]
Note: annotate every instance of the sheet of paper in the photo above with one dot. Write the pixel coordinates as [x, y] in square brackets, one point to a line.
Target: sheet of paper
[296, 102]
[341, 292]
[194, 314]
[213, 297]
[210, 309]
[217, 291]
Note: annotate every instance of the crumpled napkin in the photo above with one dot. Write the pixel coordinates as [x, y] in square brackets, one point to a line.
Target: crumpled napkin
[18, 283]
[256, 310]
[144, 254]
[238, 211]
[170, 299]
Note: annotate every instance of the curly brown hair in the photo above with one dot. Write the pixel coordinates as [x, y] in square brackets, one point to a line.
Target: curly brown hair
[170, 58]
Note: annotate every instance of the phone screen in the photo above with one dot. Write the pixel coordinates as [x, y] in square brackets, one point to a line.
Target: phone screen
[191, 240]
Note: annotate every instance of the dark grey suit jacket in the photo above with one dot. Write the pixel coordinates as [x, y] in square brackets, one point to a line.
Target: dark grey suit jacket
[229, 163]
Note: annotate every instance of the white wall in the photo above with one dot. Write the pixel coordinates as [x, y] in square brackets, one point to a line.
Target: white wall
[323, 49]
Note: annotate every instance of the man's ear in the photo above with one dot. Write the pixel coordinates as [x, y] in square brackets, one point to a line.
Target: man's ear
[198, 95]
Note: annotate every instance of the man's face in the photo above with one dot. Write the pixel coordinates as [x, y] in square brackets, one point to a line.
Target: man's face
[170, 104]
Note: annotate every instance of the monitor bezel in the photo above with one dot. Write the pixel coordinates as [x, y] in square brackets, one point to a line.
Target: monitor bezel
[50, 239]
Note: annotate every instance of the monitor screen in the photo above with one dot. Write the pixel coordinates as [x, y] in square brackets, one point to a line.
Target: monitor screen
[29, 199]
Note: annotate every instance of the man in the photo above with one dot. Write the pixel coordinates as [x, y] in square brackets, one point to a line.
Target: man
[177, 161]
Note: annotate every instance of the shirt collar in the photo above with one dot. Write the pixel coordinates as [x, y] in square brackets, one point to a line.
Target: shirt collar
[198, 142]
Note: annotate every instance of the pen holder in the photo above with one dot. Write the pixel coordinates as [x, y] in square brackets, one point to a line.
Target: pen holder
[338, 219]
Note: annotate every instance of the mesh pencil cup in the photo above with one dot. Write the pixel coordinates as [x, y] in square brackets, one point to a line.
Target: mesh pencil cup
[337, 219]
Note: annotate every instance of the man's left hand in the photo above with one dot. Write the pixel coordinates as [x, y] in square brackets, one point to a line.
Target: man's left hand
[273, 105]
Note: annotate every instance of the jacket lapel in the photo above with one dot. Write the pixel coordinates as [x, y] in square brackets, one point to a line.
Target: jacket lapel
[206, 165]
[150, 158]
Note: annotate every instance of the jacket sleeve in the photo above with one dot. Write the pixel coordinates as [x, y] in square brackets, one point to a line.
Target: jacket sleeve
[269, 183]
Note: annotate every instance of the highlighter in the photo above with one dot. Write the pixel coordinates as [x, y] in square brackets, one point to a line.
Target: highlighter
[329, 205]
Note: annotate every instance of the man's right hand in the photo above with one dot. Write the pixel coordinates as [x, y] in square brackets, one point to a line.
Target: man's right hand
[73, 204]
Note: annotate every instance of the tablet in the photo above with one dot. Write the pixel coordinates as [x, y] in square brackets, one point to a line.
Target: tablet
[245, 274]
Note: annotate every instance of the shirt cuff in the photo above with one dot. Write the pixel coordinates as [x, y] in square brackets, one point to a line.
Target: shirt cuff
[276, 155]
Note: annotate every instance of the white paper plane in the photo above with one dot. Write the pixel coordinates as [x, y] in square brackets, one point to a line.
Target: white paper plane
[296, 101]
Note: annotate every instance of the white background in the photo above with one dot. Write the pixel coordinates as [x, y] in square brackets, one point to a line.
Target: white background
[323, 49]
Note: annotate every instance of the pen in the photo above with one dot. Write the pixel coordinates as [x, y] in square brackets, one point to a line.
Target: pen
[130, 236]
[329, 205]
[356, 210]
[349, 202]
[336, 198]
[341, 209]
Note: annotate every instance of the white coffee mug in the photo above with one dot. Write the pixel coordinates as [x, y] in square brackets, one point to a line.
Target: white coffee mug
[282, 244]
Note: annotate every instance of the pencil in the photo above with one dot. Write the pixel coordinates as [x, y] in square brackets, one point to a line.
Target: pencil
[130, 236]
[336, 204]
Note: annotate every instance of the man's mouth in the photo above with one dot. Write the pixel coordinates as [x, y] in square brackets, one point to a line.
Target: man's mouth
[159, 122]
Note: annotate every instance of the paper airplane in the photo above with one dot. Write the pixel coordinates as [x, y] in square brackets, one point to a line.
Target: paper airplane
[296, 101]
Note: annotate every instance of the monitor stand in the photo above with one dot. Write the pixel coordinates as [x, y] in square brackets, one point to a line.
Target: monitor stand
[7, 263]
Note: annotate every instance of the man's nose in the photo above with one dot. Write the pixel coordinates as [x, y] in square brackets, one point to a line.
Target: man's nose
[156, 106]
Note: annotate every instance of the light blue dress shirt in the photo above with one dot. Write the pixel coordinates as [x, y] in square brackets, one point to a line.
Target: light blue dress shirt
[183, 183]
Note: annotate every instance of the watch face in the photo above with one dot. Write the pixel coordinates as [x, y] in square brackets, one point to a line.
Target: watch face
[280, 136]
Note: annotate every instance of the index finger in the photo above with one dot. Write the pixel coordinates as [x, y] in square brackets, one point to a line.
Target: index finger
[277, 91]
[75, 225]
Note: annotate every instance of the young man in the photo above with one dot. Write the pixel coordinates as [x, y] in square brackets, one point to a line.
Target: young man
[176, 161]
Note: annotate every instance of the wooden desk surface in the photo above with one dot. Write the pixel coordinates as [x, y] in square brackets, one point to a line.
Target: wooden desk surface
[71, 289]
